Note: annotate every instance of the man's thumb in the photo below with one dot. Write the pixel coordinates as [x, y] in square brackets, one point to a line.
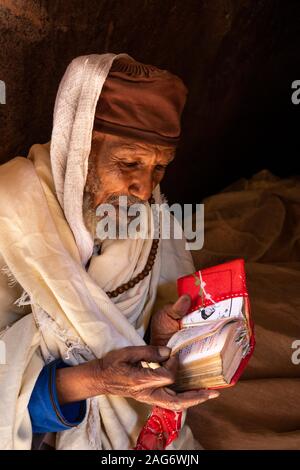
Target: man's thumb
[181, 306]
[135, 354]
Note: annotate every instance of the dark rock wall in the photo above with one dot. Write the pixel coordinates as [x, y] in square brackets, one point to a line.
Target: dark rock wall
[237, 57]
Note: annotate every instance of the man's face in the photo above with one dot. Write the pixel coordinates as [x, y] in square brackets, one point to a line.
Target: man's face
[124, 167]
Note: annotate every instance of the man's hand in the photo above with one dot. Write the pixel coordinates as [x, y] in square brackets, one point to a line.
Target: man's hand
[120, 373]
[165, 322]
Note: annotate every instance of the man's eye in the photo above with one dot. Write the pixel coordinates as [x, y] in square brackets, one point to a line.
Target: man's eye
[130, 164]
[160, 167]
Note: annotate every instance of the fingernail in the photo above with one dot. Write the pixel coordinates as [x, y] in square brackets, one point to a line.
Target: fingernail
[213, 395]
[183, 303]
[164, 351]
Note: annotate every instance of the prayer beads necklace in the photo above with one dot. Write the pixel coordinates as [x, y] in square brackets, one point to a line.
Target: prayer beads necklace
[150, 261]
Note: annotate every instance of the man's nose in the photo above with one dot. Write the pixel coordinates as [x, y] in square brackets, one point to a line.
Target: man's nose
[142, 186]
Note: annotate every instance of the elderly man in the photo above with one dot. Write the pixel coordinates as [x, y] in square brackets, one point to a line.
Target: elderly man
[75, 308]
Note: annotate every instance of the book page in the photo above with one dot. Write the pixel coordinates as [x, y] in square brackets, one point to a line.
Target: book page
[208, 346]
[229, 308]
[188, 335]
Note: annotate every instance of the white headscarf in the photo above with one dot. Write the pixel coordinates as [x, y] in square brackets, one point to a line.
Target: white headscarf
[70, 148]
[74, 113]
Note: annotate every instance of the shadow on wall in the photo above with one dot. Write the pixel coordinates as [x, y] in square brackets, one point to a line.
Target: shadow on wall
[238, 59]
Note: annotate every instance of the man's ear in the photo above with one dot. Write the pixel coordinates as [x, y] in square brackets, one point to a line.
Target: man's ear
[98, 140]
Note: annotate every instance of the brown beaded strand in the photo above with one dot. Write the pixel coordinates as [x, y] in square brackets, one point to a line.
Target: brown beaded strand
[150, 262]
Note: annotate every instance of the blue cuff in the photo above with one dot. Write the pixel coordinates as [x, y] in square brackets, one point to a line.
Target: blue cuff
[46, 414]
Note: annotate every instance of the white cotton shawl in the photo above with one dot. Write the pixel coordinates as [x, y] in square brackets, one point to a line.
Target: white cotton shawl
[45, 245]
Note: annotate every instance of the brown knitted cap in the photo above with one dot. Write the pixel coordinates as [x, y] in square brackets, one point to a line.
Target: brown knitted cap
[141, 101]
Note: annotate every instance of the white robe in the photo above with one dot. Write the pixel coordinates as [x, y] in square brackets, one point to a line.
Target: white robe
[68, 313]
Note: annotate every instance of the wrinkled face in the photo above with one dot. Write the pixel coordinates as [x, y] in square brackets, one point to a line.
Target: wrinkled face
[124, 167]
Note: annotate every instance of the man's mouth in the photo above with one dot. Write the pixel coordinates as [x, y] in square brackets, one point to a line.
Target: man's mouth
[128, 202]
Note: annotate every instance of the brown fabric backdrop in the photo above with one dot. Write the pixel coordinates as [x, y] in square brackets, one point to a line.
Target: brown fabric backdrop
[260, 221]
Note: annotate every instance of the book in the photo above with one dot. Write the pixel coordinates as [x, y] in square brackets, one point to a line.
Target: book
[216, 337]
[214, 343]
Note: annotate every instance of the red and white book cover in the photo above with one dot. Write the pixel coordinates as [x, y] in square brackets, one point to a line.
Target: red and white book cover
[210, 287]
